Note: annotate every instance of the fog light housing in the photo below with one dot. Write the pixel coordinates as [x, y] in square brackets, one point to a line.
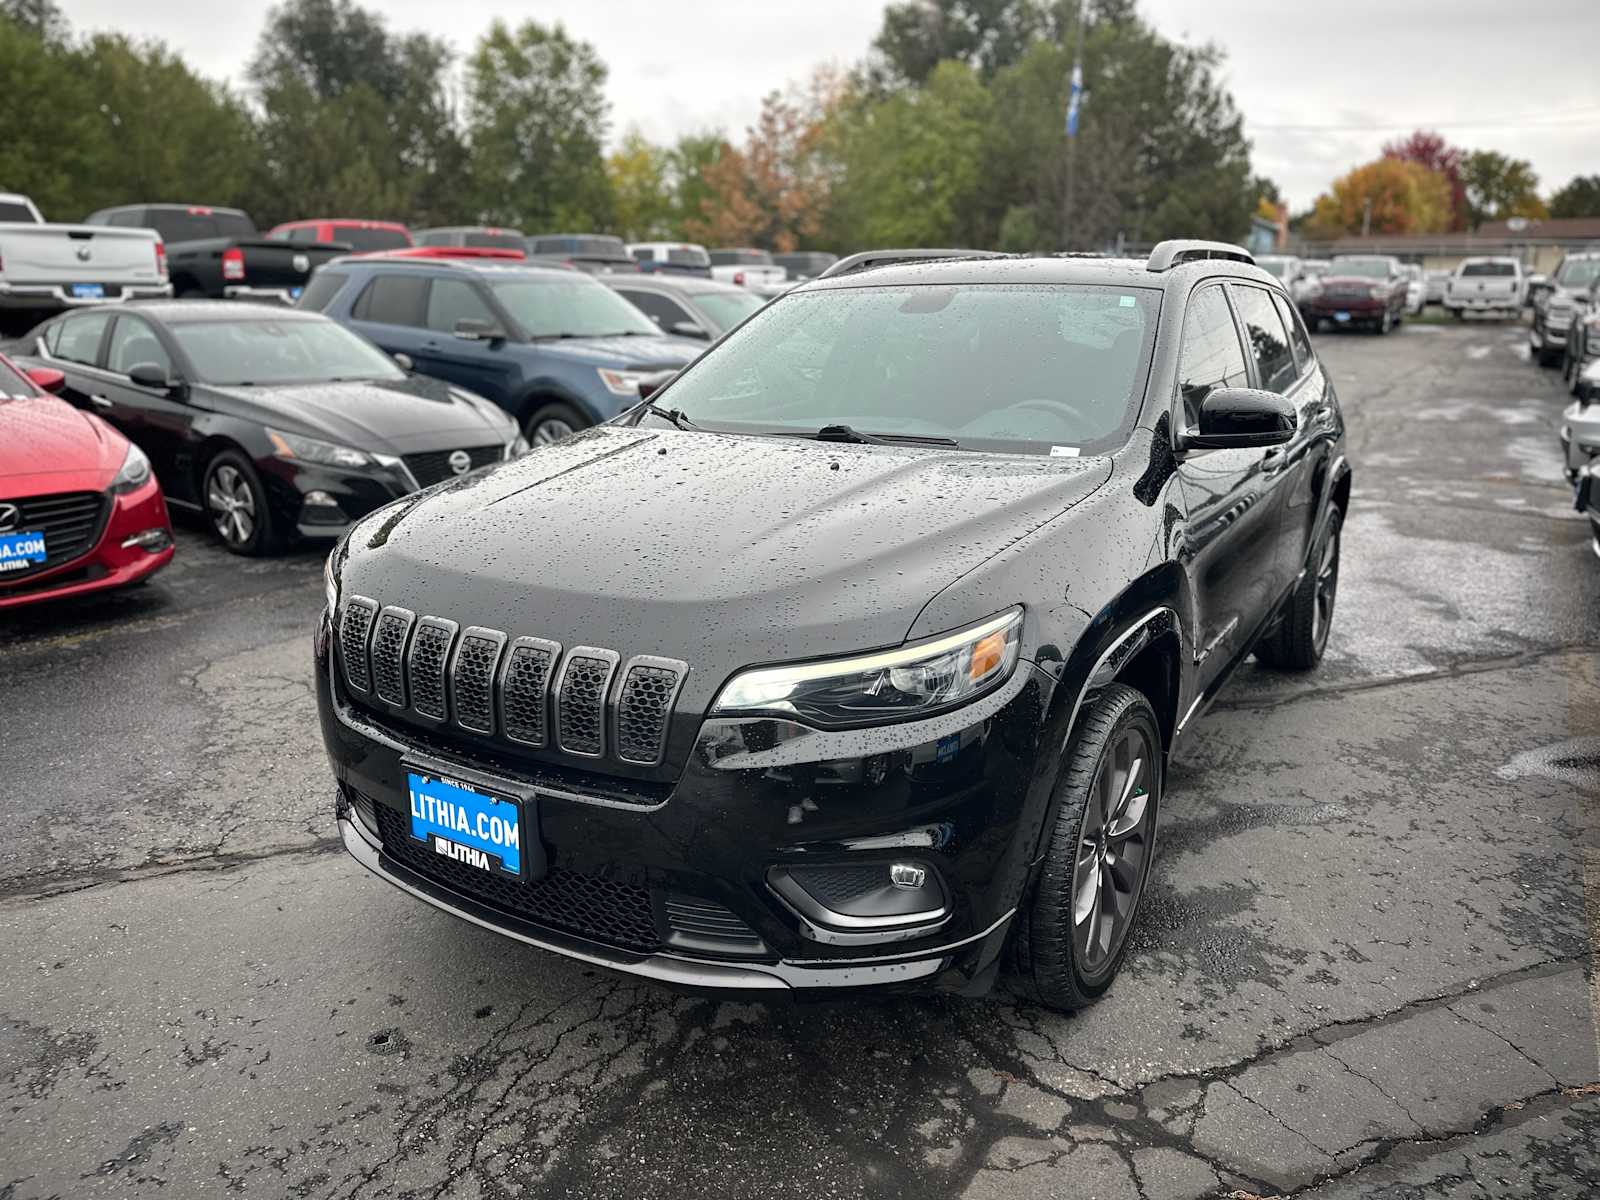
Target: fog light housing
[862, 903]
[152, 540]
[320, 508]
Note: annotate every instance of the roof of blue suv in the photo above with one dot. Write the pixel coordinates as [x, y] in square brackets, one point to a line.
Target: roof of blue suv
[1073, 269]
[491, 268]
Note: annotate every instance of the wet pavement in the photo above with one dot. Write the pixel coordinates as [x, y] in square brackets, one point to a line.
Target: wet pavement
[1362, 968]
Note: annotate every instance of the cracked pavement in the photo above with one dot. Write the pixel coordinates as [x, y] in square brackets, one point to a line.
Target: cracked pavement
[1363, 967]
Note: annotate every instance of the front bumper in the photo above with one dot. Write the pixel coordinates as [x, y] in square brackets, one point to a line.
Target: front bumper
[963, 795]
[56, 296]
[135, 544]
[1362, 308]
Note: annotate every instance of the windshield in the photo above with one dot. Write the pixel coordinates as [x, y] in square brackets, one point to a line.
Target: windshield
[1029, 369]
[740, 258]
[576, 307]
[196, 226]
[688, 256]
[1578, 272]
[1367, 268]
[358, 238]
[727, 309]
[263, 352]
[1278, 267]
[1493, 269]
[482, 239]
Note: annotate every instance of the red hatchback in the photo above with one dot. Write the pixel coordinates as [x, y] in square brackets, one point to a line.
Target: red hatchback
[80, 510]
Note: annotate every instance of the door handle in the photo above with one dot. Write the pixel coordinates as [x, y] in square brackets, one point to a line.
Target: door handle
[101, 402]
[1274, 459]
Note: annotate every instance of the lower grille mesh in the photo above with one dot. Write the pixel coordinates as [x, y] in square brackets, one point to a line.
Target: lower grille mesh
[576, 902]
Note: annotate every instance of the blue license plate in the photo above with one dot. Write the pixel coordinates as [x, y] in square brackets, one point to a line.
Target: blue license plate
[89, 291]
[1341, 316]
[19, 551]
[474, 828]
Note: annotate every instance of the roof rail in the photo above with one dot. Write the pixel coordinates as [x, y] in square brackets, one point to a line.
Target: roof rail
[1177, 251]
[868, 259]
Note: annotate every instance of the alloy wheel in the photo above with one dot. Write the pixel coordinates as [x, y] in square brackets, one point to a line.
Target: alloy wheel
[232, 505]
[1113, 843]
[1327, 585]
[551, 429]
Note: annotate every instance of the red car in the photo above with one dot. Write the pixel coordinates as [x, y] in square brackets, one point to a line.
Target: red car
[80, 509]
[361, 236]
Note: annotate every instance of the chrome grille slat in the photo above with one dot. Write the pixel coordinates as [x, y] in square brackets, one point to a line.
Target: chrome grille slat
[581, 692]
[354, 627]
[644, 707]
[525, 678]
[425, 666]
[387, 654]
[472, 672]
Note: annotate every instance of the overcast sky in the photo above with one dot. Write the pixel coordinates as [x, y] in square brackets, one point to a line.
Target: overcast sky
[1321, 86]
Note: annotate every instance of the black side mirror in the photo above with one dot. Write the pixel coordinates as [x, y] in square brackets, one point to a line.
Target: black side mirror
[150, 375]
[471, 330]
[1241, 418]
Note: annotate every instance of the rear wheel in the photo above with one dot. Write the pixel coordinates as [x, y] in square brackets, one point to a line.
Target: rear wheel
[549, 423]
[236, 505]
[1072, 932]
[1302, 635]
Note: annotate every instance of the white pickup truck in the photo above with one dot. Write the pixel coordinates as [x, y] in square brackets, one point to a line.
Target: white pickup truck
[46, 267]
[1485, 285]
[747, 268]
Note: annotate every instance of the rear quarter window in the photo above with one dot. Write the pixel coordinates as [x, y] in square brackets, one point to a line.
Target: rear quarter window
[392, 300]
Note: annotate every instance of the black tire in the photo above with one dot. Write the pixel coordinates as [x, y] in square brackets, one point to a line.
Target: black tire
[1547, 358]
[548, 423]
[1384, 323]
[1298, 642]
[1049, 963]
[236, 506]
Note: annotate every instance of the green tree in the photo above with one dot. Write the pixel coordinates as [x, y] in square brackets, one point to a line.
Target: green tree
[355, 120]
[536, 119]
[641, 188]
[41, 18]
[48, 150]
[688, 161]
[1498, 186]
[1579, 198]
[911, 163]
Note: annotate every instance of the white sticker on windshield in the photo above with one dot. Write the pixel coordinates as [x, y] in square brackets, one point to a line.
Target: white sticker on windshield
[1063, 452]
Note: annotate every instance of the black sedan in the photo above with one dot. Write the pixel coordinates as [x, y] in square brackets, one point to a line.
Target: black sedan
[278, 424]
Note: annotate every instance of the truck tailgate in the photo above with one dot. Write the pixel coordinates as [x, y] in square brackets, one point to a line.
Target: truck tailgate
[78, 254]
[274, 264]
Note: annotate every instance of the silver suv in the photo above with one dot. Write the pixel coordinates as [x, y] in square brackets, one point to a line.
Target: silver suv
[1565, 300]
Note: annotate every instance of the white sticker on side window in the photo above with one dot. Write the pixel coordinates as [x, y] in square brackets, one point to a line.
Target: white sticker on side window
[1063, 452]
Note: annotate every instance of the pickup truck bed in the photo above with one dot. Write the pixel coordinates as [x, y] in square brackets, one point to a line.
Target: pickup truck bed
[256, 268]
[51, 267]
[1485, 285]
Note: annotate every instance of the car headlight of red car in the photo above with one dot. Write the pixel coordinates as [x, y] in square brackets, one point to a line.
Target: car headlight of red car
[134, 473]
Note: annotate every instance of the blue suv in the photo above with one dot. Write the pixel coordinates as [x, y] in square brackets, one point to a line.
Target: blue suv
[556, 349]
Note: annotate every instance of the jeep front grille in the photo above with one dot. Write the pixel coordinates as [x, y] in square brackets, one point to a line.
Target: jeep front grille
[525, 690]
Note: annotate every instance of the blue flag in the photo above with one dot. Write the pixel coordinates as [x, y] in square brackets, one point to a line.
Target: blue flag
[1074, 99]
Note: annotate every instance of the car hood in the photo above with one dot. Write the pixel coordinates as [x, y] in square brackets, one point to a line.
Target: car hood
[414, 413]
[718, 550]
[630, 353]
[47, 445]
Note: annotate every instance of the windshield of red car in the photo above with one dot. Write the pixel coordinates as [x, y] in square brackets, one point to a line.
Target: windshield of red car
[1367, 268]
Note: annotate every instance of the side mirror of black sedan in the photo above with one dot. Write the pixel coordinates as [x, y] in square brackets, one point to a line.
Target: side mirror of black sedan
[150, 375]
[1241, 418]
[403, 361]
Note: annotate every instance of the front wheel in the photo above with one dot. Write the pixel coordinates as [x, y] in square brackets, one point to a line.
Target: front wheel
[549, 423]
[236, 504]
[1071, 934]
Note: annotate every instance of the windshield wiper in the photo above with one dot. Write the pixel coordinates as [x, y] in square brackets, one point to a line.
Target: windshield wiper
[675, 415]
[845, 433]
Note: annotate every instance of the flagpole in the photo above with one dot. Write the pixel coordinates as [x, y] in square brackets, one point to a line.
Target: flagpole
[1074, 101]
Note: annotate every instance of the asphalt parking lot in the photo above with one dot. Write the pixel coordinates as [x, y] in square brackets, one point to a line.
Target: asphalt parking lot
[1361, 970]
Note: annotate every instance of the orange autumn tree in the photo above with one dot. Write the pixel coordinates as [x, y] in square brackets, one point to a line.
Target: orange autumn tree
[1405, 197]
[772, 192]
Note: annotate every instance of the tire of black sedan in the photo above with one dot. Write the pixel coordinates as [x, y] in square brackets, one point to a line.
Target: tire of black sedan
[1301, 637]
[1071, 934]
[551, 422]
[236, 505]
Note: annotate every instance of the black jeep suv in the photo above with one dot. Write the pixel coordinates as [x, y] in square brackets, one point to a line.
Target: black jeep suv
[856, 654]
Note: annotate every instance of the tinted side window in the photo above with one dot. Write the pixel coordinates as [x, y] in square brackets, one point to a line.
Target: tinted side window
[1269, 341]
[1297, 333]
[1212, 356]
[392, 300]
[133, 342]
[324, 286]
[433, 237]
[79, 341]
[658, 308]
[303, 235]
[453, 300]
